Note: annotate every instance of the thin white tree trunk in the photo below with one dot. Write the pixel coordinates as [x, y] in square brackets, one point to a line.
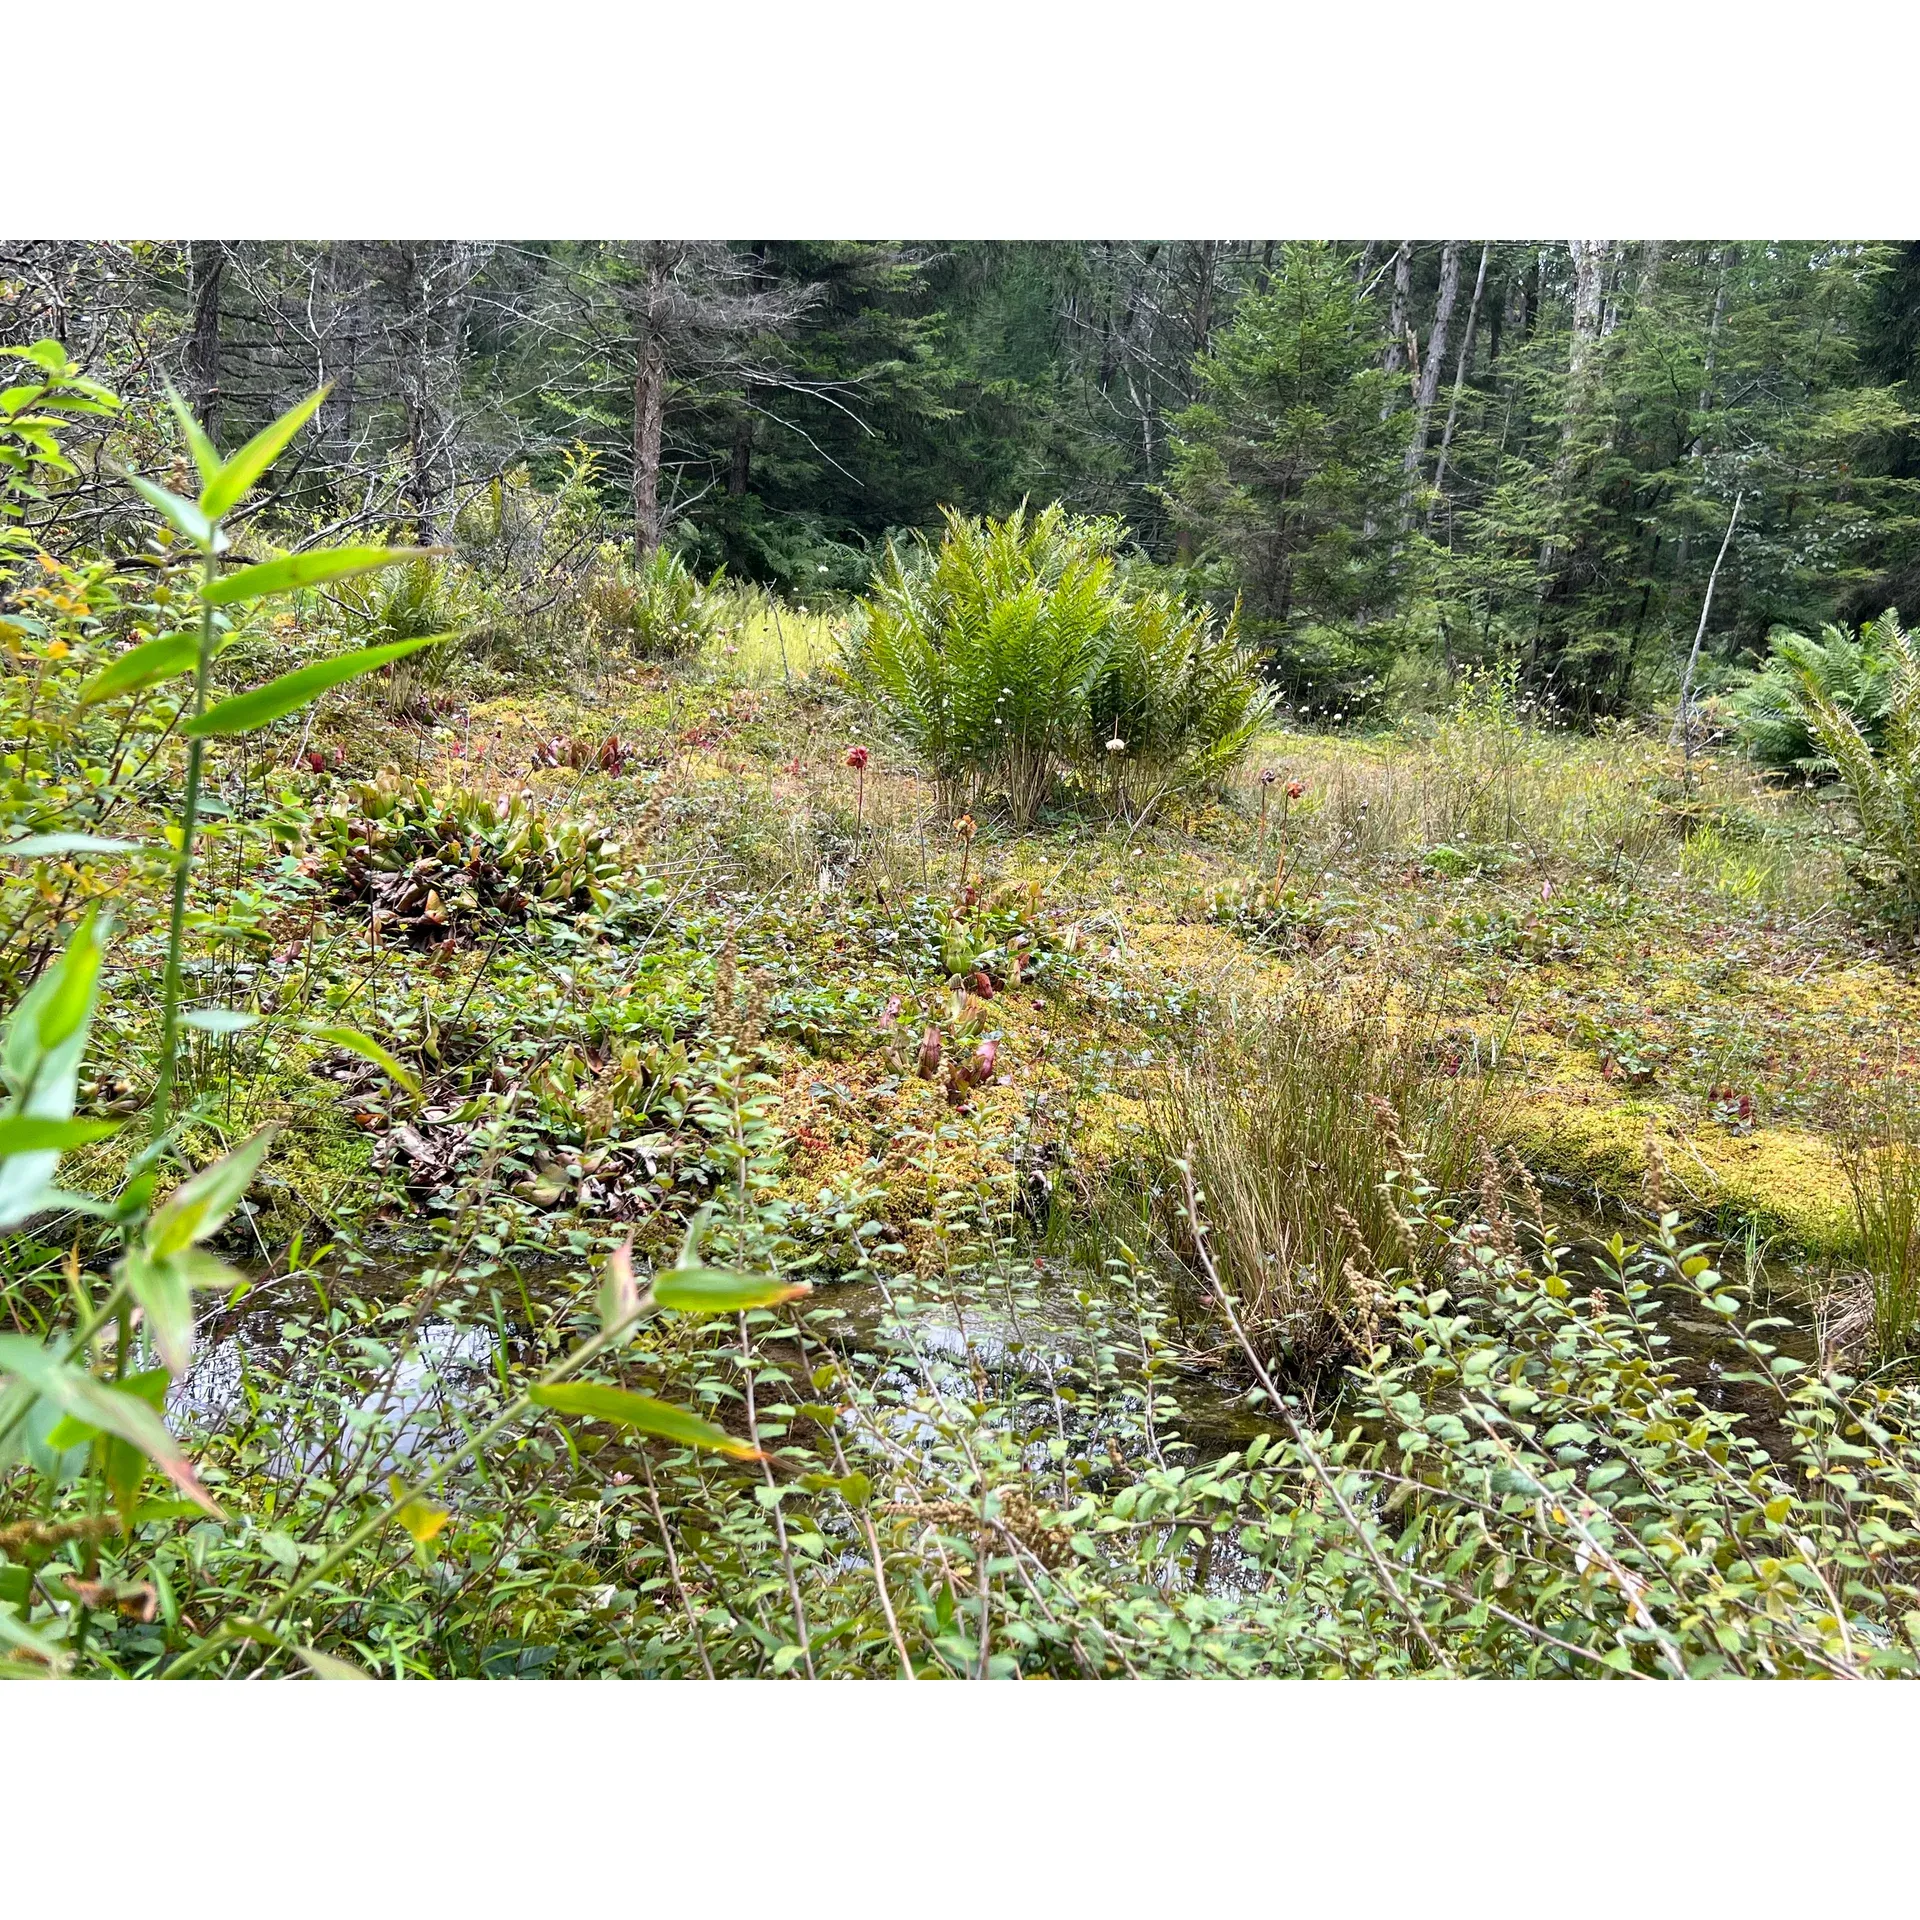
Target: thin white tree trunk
[1397, 313]
[1700, 632]
[1429, 382]
[1589, 287]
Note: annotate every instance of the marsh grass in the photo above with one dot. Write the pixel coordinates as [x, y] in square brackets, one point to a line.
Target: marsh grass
[1881, 1153]
[1542, 799]
[761, 640]
[1311, 1128]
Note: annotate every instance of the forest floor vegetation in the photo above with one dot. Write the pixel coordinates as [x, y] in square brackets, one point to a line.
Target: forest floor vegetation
[689, 955]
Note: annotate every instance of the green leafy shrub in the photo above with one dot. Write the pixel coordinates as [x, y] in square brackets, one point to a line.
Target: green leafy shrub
[1016, 650]
[430, 863]
[1531, 1485]
[658, 610]
[1882, 788]
[1770, 707]
[1176, 705]
[423, 599]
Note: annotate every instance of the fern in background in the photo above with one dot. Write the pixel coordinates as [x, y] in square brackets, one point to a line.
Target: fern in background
[1850, 674]
[1883, 788]
[1016, 651]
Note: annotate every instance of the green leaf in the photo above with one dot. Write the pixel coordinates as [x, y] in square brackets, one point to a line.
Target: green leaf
[143, 666]
[198, 1207]
[591, 1401]
[40, 1059]
[43, 846]
[126, 1467]
[219, 1020]
[24, 1133]
[161, 1290]
[14, 1632]
[716, 1290]
[327, 1666]
[95, 1401]
[354, 1041]
[235, 479]
[180, 514]
[76, 984]
[299, 570]
[49, 354]
[164, 1288]
[247, 711]
[204, 455]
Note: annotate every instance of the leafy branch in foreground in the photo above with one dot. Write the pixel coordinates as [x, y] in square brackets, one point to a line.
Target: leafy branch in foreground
[225, 485]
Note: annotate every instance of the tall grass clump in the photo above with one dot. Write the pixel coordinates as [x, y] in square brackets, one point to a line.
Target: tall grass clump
[1017, 651]
[1312, 1130]
[1881, 1154]
[761, 639]
[1492, 785]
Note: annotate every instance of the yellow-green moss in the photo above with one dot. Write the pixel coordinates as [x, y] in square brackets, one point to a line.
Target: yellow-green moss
[1781, 1180]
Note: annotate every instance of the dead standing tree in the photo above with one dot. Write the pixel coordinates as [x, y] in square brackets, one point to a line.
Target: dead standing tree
[697, 315]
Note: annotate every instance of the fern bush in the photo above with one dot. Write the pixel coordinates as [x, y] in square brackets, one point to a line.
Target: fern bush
[412, 602]
[658, 610]
[1851, 674]
[1016, 651]
[1882, 788]
[1177, 705]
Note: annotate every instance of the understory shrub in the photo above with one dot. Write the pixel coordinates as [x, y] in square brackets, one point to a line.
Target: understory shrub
[1882, 787]
[1851, 674]
[1017, 651]
[425, 597]
[658, 610]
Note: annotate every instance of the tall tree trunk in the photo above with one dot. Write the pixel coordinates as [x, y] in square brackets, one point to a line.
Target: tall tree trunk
[1460, 375]
[344, 326]
[649, 415]
[206, 269]
[1696, 450]
[650, 393]
[742, 470]
[415, 287]
[1589, 285]
[1699, 445]
[1429, 375]
[1589, 289]
[1397, 313]
[1205, 255]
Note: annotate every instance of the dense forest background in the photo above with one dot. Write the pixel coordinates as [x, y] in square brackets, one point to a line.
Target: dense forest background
[1402, 458]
